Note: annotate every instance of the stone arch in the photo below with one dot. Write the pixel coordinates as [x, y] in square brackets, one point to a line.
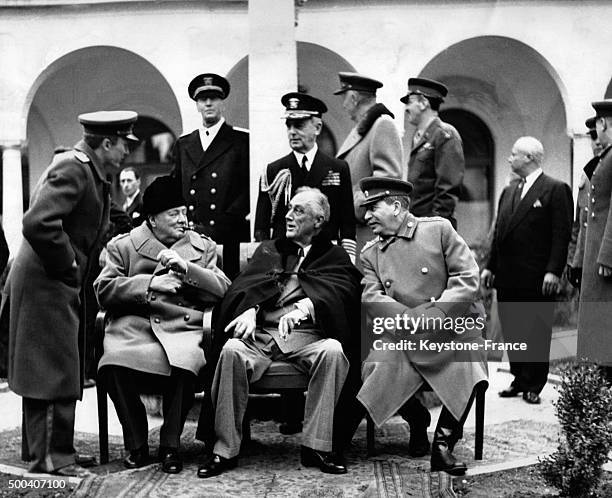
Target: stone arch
[89, 79]
[515, 91]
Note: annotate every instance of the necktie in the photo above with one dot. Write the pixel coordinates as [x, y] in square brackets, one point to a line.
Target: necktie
[516, 198]
[304, 162]
[207, 133]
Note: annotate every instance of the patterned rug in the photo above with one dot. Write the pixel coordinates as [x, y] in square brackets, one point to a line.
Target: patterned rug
[269, 467]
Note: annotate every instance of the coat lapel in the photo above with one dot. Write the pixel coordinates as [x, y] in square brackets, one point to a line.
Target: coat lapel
[218, 146]
[352, 139]
[318, 172]
[526, 203]
[193, 147]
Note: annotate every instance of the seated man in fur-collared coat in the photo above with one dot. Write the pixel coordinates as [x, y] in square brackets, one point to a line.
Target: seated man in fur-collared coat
[158, 286]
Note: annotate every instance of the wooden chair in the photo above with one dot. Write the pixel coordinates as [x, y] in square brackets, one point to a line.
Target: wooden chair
[479, 403]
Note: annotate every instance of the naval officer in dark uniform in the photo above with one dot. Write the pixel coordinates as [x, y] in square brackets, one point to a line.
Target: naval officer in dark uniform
[305, 166]
[212, 164]
[67, 220]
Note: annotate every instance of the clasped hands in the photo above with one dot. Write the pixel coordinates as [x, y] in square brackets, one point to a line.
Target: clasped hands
[172, 281]
[244, 325]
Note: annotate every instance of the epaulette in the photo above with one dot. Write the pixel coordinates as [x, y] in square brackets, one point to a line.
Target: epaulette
[119, 236]
[81, 156]
[238, 128]
[448, 130]
[368, 244]
[431, 218]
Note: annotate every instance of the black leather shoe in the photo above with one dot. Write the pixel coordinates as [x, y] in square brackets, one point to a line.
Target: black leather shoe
[137, 458]
[85, 461]
[532, 398]
[511, 392]
[442, 459]
[170, 460]
[330, 463]
[216, 465]
[288, 428]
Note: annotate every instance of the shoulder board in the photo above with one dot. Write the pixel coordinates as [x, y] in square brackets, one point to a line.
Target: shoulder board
[237, 128]
[118, 237]
[81, 156]
[448, 130]
[370, 243]
[424, 219]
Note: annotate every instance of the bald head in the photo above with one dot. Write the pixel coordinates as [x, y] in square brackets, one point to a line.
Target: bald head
[526, 157]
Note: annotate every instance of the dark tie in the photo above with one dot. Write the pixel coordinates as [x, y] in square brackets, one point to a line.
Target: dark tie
[304, 162]
[207, 133]
[516, 198]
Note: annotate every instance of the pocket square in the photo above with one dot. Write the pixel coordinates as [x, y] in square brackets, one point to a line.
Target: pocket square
[331, 179]
[537, 204]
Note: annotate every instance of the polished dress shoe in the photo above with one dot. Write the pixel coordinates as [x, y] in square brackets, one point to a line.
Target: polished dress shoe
[511, 392]
[72, 470]
[288, 428]
[216, 465]
[85, 460]
[330, 463]
[137, 458]
[532, 398]
[170, 460]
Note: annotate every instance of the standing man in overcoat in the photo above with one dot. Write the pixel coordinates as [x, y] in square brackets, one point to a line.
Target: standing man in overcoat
[595, 313]
[212, 164]
[305, 166]
[528, 256]
[373, 147]
[68, 217]
[436, 165]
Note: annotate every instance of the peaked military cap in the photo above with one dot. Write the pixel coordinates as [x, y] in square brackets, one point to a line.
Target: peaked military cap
[376, 188]
[301, 105]
[211, 83]
[603, 108]
[358, 82]
[110, 123]
[423, 86]
[163, 193]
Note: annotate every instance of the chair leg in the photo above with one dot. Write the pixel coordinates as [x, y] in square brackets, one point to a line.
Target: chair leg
[480, 413]
[102, 419]
[371, 436]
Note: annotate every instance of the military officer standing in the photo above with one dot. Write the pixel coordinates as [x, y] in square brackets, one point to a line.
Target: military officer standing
[373, 147]
[436, 165]
[212, 164]
[595, 312]
[68, 218]
[305, 166]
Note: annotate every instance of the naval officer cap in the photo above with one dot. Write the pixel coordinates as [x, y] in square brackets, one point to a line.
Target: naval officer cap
[208, 84]
[603, 108]
[301, 106]
[375, 188]
[110, 123]
[426, 87]
[357, 82]
[162, 194]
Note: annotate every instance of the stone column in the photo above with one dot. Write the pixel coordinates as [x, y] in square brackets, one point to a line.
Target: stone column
[12, 194]
[581, 154]
[272, 73]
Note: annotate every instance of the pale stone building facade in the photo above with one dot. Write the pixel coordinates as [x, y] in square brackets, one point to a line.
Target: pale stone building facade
[513, 68]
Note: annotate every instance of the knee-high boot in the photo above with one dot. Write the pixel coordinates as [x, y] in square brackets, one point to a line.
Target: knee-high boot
[448, 432]
[418, 419]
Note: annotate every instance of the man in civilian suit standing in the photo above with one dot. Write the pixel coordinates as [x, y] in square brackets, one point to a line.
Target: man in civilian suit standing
[212, 164]
[528, 255]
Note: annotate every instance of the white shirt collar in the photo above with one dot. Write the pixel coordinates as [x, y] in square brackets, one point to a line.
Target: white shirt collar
[530, 180]
[309, 156]
[212, 133]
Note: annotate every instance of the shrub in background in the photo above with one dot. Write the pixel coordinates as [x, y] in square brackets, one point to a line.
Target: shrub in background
[585, 414]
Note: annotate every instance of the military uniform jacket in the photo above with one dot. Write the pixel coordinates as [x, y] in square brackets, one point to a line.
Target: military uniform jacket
[426, 269]
[67, 218]
[216, 183]
[329, 175]
[152, 331]
[595, 312]
[435, 169]
[532, 240]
